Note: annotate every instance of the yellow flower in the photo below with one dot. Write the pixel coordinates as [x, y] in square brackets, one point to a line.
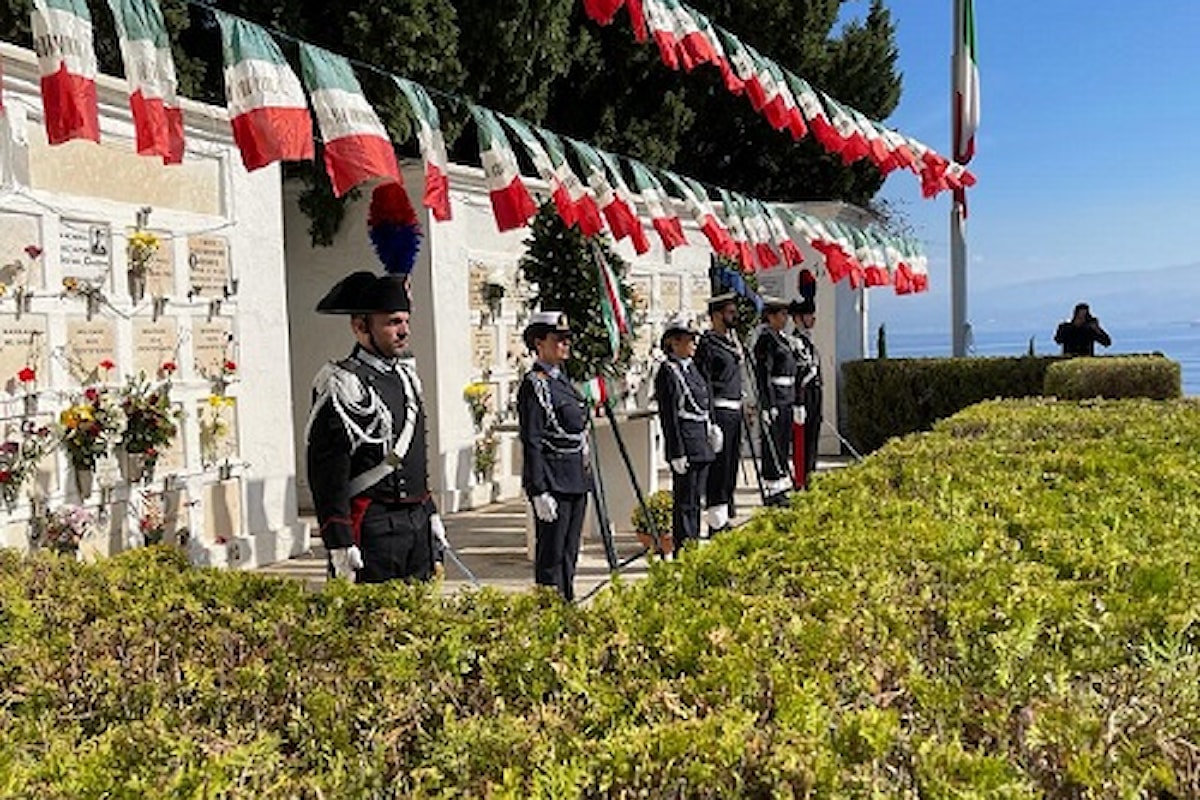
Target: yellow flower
[144, 240]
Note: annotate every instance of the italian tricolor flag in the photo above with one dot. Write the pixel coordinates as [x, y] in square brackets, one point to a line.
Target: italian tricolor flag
[622, 220]
[966, 81]
[585, 212]
[595, 391]
[511, 202]
[62, 39]
[266, 102]
[602, 11]
[666, 222]
[701, 209]
[544, 166]
[433, 148]
[357, 146]
[612, 308]
[150, 71]
[636, 234]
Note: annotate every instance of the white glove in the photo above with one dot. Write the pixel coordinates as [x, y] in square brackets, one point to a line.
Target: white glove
[772, 414]
[346, 561]
[799, 415]
[679, 465]
[545, 507]
[438, 529]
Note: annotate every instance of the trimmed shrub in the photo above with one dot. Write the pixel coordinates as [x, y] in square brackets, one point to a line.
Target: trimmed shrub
[1155, 377]
[897, 396]
[1003, 607]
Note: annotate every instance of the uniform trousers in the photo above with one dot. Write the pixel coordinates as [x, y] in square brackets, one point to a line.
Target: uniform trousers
[395, 541]
[557, 549]
[722, 474]
[685, 496]
[776, 444]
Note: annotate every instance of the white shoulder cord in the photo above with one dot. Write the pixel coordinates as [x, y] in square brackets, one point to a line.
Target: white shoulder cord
[351, 401]
[700, 414]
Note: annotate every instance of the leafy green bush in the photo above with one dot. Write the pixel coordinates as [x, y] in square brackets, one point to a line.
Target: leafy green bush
[890, 397]
[1005, 606]
[1154, 377]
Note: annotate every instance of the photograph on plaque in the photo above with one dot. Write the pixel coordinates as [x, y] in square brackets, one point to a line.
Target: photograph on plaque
[208, 265]
[155, 344]
[85, 250]
[20, 252]
[89, 342]
[22, 353]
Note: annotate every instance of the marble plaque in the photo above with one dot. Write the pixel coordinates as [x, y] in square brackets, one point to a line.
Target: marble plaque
[212, 344]
[670, 294]
[154, 343]
[85, 250]
[222, 504]
[642, 292]
[89, 343]
[22, 344]
[773, 283]
[160, 272]
[700, 288]
[483, 347]
[172, 458]
[516, 345]
[19, 267]
[208, 265]
[477, 277]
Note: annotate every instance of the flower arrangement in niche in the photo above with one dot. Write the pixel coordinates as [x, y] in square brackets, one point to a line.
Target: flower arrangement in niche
[89, 426]
[153, 523]
[478, 397]
[214, 429]
[63, 529]
[140, 249]
[20, 455]
[220, 378]
[151, 422]
[484, 456]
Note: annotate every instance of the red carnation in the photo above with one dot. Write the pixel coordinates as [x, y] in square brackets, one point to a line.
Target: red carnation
[5, 476]
[32, 250]
[106, 365]
[168, 367]
[230, 366]
[91, 393]
[27, 375]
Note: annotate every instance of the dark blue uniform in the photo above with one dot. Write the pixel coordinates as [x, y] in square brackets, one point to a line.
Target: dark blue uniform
[363, 406]
[808, 396]
[775, 373]
[553, 421]
[719, 358]
[683, 409]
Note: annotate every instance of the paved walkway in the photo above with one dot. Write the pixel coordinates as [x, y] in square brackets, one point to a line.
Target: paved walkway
[491, 542]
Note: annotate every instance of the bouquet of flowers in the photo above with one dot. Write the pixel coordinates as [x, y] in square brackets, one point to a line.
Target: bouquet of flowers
[19, 459]
[150, 421]
[478, 397]
[213, 429]
[89, 426]
[221, 377]
[64, 528]
[153, 524]
[140, 250]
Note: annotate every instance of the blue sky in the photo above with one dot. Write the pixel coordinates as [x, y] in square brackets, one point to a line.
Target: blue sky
[1087, 155]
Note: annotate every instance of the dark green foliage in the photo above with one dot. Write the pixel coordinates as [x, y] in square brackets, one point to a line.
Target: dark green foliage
[561, 263]
[1004, 607]
[889, 397]
[1114, 377]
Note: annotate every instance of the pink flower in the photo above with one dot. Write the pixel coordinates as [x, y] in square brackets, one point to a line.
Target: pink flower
[27, 375]
[92, 394]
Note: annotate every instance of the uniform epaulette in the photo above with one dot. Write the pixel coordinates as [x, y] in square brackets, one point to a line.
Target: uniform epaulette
[336, 378]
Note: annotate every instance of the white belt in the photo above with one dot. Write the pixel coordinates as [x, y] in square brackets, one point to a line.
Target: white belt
[721, 402]
[784, 380]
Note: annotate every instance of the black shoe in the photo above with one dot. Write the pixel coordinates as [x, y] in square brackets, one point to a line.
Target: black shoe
[780, 499]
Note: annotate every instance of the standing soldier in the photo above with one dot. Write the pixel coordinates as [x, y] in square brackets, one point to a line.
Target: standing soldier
[683, 409]
[807, 410]
[366, 442]
[775, 373]
[553, 422]
[719, 358]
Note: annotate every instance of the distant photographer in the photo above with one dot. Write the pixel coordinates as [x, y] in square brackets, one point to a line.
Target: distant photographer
[1079, 336]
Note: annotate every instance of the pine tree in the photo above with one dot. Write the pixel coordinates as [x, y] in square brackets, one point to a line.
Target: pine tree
[561, 264]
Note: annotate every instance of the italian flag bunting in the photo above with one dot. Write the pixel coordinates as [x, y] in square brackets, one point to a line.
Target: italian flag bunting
[544, 166]
[701, 209]
[602, 11]
[737, 231]
[612, 308]
[585, 212]
[661, 23]
[150, 71]
[433, 148]
[636, 234]
[779, 235]
[813, 112]
[511, 202]
[966, 81]
[622, 220]
[266, 102]
[62, 39]
[357, 146]
[665, 222]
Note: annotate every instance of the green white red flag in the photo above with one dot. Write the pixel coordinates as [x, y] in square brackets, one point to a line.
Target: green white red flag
[544, 166]
[696, 199]
[433, 148]
[585, 212]
[511, 203]
[595, 391]
[654, 197]
[612, 308]
[779, 235]
[62, 39]
[267, 108]
[602, 11]
[622, 219]
[357, 146]
[150, 71]
[636, 234]
[966, 82]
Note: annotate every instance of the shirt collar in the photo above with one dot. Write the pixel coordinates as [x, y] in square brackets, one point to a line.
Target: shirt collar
[553, 372]
[373, 361]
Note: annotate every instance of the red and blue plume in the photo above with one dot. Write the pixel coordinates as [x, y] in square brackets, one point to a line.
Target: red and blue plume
[806, 284]
[395, 232]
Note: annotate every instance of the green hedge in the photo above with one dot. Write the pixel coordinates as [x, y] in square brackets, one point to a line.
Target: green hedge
[1114, 378]
[1003, 607]
[896, 396]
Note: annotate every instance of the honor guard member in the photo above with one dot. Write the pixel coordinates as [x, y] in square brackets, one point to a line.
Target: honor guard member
[683, 410]
[719, 358]
[775, 377]
[807, 411]
[553, 422]
[366, 442]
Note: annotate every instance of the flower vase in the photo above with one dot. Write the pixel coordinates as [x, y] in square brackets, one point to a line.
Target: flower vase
[84, 478]
[136, 280]
[31, 404]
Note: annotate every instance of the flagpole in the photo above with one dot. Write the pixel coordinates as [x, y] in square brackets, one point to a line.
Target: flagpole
[958, 239]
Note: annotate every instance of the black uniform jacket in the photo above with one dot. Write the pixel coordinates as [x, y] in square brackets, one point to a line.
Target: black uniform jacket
[808, 369]
[719, 360]
[360, 390]
[684, 419]
[553, 421]
[775, 369]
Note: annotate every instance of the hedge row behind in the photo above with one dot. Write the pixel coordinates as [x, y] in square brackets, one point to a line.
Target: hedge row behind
[1115, 378]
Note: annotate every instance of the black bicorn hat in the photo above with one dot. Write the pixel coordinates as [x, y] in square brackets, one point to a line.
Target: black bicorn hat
[365, 292]
[805, 305]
